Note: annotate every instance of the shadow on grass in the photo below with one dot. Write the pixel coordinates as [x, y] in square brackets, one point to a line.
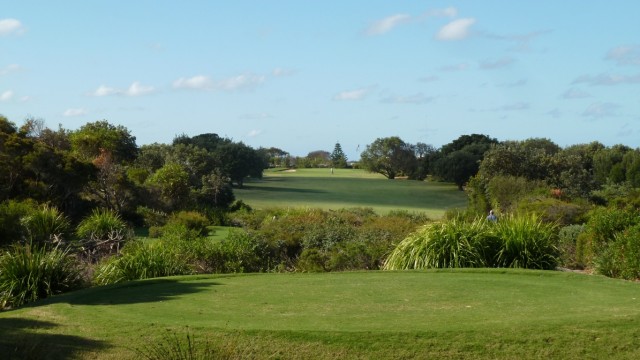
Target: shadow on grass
[19, 340]
[146, 291]
[284, 189]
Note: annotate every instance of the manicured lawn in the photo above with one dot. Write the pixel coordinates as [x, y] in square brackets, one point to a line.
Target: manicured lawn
[443, 314]
[348, 188]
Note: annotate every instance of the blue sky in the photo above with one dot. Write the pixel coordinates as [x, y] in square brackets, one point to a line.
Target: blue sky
[302, 75]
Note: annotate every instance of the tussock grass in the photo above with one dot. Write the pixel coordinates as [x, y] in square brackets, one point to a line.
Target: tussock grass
[514, 242]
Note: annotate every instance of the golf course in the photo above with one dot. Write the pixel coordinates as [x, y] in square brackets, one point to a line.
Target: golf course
[346, 188]
[443, 314]
[421, 314]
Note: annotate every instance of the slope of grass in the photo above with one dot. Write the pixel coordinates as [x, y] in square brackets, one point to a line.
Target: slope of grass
[444, 314]
[348, 188]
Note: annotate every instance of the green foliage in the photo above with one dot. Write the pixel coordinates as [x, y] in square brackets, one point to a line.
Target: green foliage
[192, 220]
[522, 242]
[390, 157]
[338, 157]
[45, 225]
[29, 273]
[505, 190]
[100, 225]
[621, 257]
[568, 240]
[140, 260]
[526, 242]
[170, 184]
[10, 214]
[93, 138]
[450, 244]
[152, 217]
[174, 347]
[553, 210]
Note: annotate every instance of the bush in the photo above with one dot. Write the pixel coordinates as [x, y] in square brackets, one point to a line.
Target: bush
[100, 225]
[526, 242]
[554, 210]
[10, 214]
[29, 273]
[621, 257]
[568, 248]
[45, 225]
[140, 260]
[192, 220]
[152, 217]
[523, 242]
[450, 244]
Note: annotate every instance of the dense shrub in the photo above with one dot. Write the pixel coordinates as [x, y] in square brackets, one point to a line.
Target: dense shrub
[139, 260]
[621, 257]
[568, 246]
[550, 209]
[10, 214]
[152, 217]
[192, 220]
[29, 273]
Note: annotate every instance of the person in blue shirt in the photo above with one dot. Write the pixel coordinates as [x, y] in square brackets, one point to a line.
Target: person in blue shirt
[492, 217]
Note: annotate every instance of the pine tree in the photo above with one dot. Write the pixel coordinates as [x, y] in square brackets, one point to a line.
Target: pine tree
[338, 158]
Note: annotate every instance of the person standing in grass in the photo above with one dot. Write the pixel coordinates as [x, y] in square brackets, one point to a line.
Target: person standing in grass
[492, 217]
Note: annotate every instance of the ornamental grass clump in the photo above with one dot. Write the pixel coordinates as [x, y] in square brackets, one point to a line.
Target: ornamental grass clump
[140, 260]
[29, 273]
[521, 242]
[45, 225]
[450, 244]
[526, 242]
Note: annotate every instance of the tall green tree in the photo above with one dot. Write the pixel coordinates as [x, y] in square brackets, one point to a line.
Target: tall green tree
[338, 157]
[389, 156]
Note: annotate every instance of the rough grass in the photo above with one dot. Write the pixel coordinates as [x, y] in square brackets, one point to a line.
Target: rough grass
[348, 188]
[442, 314]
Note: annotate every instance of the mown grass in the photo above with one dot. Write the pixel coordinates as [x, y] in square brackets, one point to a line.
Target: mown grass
[348, 188]
[442, 314]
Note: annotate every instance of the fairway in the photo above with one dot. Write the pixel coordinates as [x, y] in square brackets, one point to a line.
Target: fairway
[348, 188]
[486, 313]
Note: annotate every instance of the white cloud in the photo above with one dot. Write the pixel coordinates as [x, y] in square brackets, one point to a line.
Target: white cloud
[455, 30]
[280, 72]
[254, 133]
[199, 82]
[601, 110]
[10, 26]
[387, 24]
[352, 95]
[496, 64]
[10, 69]
[74, 112]
[608, 79]
[6, 96]
[135, 89]
[625, 55]
[575, 94]
[104, 91]
[239, 82]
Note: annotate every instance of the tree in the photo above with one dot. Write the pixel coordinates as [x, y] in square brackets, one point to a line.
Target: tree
[171, 186]
[338, 158]
[238, 161]
[459, 160]
[389, 156]
[91, 139]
